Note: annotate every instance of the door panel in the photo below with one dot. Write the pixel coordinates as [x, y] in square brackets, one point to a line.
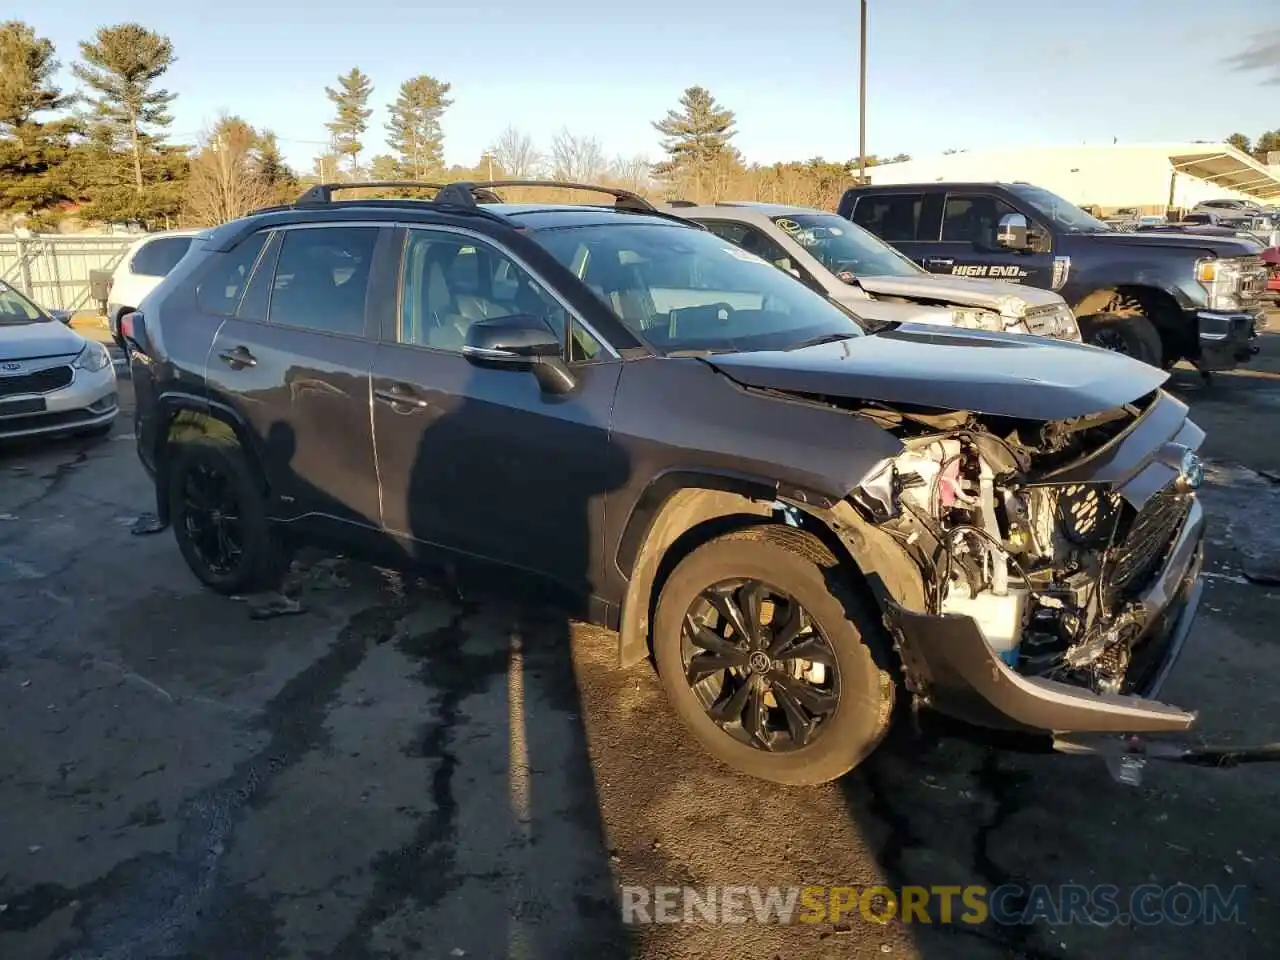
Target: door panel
[482, 461]
[300, 377]
[475, 457]
[967, 245]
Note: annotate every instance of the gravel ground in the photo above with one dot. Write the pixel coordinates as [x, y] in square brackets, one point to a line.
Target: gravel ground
[407, 769]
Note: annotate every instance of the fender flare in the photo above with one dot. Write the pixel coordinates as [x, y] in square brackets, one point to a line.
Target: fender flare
[706, 506]
[187, 417]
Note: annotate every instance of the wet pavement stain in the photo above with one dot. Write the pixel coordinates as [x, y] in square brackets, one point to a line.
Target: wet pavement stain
[159, 905]
[422, 870]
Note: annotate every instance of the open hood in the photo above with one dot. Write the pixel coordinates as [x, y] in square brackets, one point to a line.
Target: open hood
[1010, 299]
[1001, 374]
[37, 339]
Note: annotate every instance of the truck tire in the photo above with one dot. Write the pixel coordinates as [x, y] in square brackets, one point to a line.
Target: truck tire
[799, 692]
[219, 517]
[1127, 330]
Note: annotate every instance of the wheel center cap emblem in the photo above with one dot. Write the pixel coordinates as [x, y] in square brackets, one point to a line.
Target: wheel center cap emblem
[759, 662]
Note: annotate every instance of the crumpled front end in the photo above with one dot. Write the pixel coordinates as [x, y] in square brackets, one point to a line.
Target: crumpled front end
[1060, 561]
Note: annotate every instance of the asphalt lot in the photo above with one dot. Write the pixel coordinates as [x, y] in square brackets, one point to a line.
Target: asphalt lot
[410, 769]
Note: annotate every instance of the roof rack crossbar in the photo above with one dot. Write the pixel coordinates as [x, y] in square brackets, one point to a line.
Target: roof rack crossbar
[323, 192]
[481, 191]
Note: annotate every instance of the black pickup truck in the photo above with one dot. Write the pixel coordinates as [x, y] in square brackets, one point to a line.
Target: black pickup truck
[1159, 297]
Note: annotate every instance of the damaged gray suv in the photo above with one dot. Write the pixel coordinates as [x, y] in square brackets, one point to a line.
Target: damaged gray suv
[807, 525]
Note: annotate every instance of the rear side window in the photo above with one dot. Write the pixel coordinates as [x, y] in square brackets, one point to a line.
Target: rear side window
[322, 278]
[894, 218]
[157, 257]
[220, 289]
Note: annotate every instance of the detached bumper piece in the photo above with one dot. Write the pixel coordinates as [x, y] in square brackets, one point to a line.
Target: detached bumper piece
[952, 667]
[1228, 339]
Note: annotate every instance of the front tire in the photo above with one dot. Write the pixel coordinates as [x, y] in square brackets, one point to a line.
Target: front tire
[219, 518]
[771, 659]
[1127, 331]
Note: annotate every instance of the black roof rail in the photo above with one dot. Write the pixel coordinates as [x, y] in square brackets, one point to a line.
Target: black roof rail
[481, 191]
[682, 203]
[323, 192]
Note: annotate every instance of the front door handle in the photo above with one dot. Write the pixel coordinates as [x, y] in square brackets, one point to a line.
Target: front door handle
[401, 397]
[238, 358]
[939, 262]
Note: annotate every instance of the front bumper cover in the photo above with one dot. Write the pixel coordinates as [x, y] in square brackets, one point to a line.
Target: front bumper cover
[89, 401]
[1228, 339]
[953, 670]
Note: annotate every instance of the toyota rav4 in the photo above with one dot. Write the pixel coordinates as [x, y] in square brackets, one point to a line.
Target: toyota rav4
[803, 523]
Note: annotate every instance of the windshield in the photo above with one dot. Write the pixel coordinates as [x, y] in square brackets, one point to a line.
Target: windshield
[1064, 214]
[845, 248]
[681, 289]
[15, 308]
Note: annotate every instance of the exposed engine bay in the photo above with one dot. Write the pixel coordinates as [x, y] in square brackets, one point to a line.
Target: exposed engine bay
[1049, 571]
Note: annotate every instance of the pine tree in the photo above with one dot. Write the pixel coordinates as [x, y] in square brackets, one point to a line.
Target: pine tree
[696, 139]
[351, 99]
[32, 152]
[414, 128]
[121, 66]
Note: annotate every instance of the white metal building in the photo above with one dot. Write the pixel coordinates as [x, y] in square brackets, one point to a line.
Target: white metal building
[1150, 176]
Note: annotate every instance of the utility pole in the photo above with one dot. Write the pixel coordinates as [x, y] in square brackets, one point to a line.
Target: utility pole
[862, 98]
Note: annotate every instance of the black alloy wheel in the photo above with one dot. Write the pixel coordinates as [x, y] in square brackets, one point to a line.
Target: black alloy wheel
[763, 671]
[212, 518]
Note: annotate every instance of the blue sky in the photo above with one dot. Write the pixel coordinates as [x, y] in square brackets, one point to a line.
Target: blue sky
[941, 74]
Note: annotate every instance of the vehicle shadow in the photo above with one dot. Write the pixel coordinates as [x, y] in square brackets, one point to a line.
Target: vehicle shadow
[506, 855]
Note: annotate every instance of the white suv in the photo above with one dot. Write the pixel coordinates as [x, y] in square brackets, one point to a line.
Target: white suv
[140, 271]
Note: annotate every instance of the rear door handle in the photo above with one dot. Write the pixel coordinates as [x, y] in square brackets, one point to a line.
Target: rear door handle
[401, 397]
[238, 357]
[939, 262]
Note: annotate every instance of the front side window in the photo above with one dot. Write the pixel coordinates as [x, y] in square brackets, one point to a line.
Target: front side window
[15, 308]
[973, 219]
[845, 249]
[894, 218]
[157, 257]
[681, 289]
[322, 277]
[450, 281]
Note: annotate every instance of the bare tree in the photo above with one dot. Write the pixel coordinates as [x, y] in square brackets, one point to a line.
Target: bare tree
[632, 172]
[225, 182]
[515, 153]
[577, 159]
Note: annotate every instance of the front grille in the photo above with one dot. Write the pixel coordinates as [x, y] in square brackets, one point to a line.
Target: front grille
[1253, 278]
[41, 381]
[1145, 543]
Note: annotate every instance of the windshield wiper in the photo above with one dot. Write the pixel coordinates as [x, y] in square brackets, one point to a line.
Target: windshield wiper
[818, 341]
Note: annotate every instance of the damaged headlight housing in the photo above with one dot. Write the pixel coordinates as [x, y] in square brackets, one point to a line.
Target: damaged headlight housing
[93, 357]
[1221, 278]
[968, 318]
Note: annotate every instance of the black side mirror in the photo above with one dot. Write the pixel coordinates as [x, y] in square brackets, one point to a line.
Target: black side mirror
[1012, 234]
[518, 338]
[523, 342]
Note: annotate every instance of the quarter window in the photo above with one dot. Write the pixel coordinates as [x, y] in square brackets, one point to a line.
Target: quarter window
[220, 289]
[450, 282]
[322, 277]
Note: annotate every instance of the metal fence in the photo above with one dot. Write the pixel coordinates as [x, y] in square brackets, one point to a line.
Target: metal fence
[54, 270]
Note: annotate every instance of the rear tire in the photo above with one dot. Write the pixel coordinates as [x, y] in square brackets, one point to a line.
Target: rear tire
[1128, 331]
[795, 565]
[225, 537]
